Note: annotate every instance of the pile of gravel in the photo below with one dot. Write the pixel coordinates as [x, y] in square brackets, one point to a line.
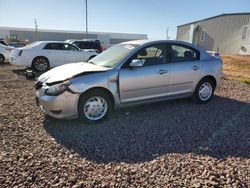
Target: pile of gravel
[168, 144]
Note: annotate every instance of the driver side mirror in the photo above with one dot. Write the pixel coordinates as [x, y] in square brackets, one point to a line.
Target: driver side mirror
[136, 63]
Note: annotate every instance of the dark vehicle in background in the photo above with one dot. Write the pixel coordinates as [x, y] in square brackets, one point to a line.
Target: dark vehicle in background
[13, 43]
[87, 44]
[3, 42]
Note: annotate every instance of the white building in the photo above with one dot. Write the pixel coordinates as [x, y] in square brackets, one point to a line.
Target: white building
[107, 39]
[225, 33]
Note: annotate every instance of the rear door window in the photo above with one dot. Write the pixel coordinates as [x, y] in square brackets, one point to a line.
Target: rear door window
[88, 45]
[180, 53]
[70, 47]
[54, 46]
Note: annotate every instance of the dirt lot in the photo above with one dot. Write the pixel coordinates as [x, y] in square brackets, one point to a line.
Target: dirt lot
[169, 144]
[237, 67]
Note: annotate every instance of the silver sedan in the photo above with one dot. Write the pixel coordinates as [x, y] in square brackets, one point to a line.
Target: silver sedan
[129, 73]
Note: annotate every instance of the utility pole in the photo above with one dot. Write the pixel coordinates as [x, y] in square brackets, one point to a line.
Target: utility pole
[167, 37]
[36, 28]
[86, 7]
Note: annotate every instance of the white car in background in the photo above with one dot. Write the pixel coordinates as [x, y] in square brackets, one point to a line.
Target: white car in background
[5, 53]
[41, 56]
[213, 53]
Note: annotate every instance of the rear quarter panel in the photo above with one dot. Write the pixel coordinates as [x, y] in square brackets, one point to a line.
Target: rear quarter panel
[212, 67]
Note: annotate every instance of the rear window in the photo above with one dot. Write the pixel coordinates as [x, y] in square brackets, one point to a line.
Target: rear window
[54, 46]
[32, 45]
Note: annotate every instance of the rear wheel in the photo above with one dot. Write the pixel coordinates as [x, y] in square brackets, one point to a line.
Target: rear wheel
[1, 59]
[94, 106]
[204, 91]
[40, 64]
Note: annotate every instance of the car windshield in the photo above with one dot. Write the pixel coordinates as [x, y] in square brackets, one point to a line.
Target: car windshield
[113, 55]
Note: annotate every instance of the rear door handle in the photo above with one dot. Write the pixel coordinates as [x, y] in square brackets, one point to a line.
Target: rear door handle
[195, 68]
[162, 71]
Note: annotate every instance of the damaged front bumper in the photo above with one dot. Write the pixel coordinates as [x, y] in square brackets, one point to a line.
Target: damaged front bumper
[63, 106]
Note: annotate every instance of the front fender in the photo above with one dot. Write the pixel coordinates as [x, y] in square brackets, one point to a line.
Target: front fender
[107, 80]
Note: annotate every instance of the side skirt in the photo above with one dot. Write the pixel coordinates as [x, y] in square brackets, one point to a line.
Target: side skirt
[158, 99]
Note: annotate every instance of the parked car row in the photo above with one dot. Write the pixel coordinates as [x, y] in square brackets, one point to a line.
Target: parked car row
[89, 85]
[41, 56]
[129, 73]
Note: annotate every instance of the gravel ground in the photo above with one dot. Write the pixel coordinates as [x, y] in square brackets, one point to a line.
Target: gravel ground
[169, 144]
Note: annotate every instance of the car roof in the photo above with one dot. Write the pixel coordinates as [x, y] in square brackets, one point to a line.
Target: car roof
[146, 41]
[83, 40]
[152, 42]
[40, 42]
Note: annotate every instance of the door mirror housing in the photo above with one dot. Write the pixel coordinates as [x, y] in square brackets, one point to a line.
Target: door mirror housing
[136, 63]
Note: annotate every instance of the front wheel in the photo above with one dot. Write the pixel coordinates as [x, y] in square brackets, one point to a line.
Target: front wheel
[94, 106]
[204, 91]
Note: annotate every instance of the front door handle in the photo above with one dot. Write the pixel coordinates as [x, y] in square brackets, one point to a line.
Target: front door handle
[162, 71]
[195, 68]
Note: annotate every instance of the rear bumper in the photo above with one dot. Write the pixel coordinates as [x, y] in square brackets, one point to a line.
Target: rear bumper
[219, 78]
[19, 61]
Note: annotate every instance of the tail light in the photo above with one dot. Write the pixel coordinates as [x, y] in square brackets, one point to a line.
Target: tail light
[20, 52]
[9, 50]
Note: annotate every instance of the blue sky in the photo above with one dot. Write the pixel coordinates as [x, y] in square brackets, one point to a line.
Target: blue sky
[150, 17]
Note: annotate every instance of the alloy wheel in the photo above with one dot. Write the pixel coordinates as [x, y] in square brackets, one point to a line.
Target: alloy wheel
[41, 64]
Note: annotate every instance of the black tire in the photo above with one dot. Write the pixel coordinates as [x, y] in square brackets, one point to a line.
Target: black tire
[1, 59]
[197, 97]
[91, 57]
[84, 98]
[40, 64]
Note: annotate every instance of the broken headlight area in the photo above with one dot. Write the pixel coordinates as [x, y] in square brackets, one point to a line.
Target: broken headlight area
[58, 89]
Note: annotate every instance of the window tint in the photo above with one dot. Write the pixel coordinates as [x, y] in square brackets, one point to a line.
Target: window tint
[86, 45]
[152, 55]
[54, 46]
[181, 53]
[69, 47]
[77, 44]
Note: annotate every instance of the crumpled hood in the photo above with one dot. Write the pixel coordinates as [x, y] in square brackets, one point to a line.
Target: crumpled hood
[68, 71]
